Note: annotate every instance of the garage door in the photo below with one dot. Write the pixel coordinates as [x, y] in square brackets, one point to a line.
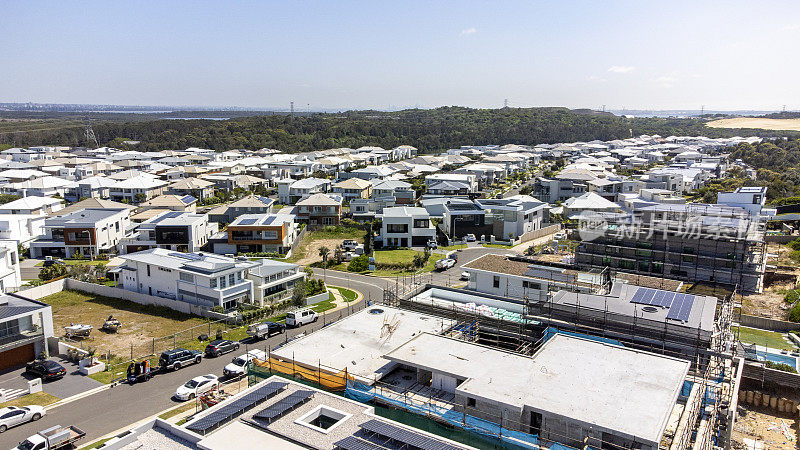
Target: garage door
[17, 356]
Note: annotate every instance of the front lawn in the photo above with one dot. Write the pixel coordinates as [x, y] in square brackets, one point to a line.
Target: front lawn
[763, 337]
[39, 398]
[402, 256]
[79, 262]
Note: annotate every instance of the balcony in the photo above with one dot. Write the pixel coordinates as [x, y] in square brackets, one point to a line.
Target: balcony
[21, 338]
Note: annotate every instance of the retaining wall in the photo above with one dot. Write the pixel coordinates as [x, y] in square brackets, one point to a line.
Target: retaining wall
[768, 324]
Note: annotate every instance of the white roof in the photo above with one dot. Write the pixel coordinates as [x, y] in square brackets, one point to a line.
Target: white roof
[31, 202]
[139, 182]
[589, 200]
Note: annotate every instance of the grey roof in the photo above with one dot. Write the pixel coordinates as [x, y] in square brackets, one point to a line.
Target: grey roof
[11, 306]
[89, 216]
[204, 263]
[270, 266]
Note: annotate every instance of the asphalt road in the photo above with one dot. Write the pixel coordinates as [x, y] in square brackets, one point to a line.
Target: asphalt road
[123, 405]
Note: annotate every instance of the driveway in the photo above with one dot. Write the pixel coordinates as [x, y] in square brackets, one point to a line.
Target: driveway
[73, 382]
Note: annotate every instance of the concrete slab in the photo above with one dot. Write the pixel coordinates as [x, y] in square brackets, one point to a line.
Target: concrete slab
[359, 341]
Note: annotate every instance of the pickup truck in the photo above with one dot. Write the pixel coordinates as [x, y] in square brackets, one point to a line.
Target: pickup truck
[52, 438]
[444, 264]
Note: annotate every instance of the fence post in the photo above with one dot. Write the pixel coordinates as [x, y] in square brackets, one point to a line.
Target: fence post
[154, 346]
[131, 352]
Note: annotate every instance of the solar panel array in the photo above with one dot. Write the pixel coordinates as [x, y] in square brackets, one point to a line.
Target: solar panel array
[680, 305]
[283, 406]
[188, 199]
[189, 256]
[681, 308]
[236, 408]
[354, 443]
[404, 436]
[248, 221]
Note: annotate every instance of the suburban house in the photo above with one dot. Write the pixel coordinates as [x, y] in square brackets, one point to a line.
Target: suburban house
[10, 279]
[514, 216]
[252, 204]
[137, 189]
[25, 326]
[406, 226]
[196, 187]
[451, 183]
[91, 187]
[21, 228]
[399, 190]
[42, 187]
[202, 279]
[88, 231]
[171, 230]
[292, 191]
[320, 209]
[38, 206]
[273, 280]
[257, 233]
[461, 218]
[162, 203]
[353, 188]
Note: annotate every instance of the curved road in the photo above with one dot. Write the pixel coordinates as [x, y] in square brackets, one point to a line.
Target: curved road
[121, 406]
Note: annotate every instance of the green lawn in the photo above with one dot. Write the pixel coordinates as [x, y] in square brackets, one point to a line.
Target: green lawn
[402, 256]
[96, 444]
[175, 411]
[762, 337]
[496, 246]
[349, 295]
[453, 247]
[79, 262]
[39, 398]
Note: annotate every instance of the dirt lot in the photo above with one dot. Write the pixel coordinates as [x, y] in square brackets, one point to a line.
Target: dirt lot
[140, 323]
[756, 122]
[770, 303]
[310, 250]
[764, 425]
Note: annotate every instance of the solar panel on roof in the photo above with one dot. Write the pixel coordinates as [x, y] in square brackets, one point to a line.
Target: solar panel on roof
[265, 200]
[236, 407]
[681, 308]
[666, 302]
[656, 300]
[248, 221]
[648, 296]
[269, 220]
[354, 443]
[284, 405]
[404, 436]
[189, 256]
[188, 199]
[638, 295]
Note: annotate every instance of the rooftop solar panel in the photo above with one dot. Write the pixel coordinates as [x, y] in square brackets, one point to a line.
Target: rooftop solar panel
[248, 221]
[283, 406]
[354, 443]
[656, 301]
[681, 308]
[188, 199]
[638, 295]
[666, 302]
[404, 436]
[269, 220]
[648, 296]
[237, 407]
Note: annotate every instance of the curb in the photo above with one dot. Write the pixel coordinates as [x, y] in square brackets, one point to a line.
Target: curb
[75, 397]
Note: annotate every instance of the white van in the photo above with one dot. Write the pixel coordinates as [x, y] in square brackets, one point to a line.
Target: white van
[300, 317]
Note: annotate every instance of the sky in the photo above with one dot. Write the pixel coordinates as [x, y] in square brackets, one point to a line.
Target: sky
[726, 55]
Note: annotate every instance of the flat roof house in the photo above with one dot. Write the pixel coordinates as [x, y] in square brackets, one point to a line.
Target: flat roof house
[406, 226]
[202, 279]
[258, 233]
[89, 231]
[572, 391]
[25, 326]
[171, 230]
[273, 280]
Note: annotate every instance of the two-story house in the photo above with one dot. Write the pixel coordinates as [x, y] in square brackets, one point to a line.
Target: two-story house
[255, 233]
[25, 326]
[353, 188]
[273, 280]
[202, 279]
[399, 190]
[88, 232]
[171, 230]
[406, 226]
[137, 189]
[196, 187]
[320, 209]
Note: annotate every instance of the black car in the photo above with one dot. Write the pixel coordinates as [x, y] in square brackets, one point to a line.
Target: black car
[220, 346]
[175, 359]
[46, 370]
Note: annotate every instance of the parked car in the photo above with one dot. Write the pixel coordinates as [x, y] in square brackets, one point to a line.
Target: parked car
[444, 264]
[432, 244]
[349, 244]
[12, 416]
[52, 438]
[220, 346]
[196, 386]
[465, 276]
[561, 235]
[237, 365]
[52, 262]
[300, 317]
[175, 359]
[46, 370]
[469, 238]
[265, 329]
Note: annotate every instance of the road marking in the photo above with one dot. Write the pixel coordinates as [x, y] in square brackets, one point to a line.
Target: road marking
[11, 394]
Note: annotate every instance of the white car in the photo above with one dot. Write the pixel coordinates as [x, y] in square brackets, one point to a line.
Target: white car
[465, 276]
[12, 416]
[469, 238]
[197, 386]
[237, 366]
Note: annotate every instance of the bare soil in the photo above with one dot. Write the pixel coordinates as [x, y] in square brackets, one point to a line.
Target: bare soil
[764, 425]
[770, 303]
[310, 250]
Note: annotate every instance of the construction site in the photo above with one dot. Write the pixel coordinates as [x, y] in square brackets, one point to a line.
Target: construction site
[689, 242]
[580, 369]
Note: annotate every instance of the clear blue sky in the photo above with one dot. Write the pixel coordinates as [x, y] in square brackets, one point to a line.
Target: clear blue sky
[380, 54]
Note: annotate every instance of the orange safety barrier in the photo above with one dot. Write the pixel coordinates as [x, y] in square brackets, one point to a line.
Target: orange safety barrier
[326, 379]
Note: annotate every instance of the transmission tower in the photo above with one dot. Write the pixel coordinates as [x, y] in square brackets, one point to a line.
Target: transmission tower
[505, 103]
[90, 137]
[291, 108]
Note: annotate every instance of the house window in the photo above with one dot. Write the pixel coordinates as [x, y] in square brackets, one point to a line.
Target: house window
[397, 228]
[531, 285]
[148, 270]
[187, 277]
[213, 283]
[471, 402]
[496, 282]
[222, 283]
[231, 279]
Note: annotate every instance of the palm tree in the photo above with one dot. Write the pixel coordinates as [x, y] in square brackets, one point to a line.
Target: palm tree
[324, 252]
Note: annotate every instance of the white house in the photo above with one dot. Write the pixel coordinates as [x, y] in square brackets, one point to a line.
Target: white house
[171, 230]
[39, 206]
[273, 280]
[137, 189]
[89, 231]
[21, 228]
[203, 279]
[406, 226]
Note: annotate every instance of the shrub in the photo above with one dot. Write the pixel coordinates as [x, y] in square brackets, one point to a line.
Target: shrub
[780, 366]
[218, 309]
[795, 244]
[791, 297]
[54, 271]
[794, 314]
[359, 264]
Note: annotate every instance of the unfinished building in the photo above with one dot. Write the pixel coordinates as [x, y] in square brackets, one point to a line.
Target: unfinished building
[689, 242]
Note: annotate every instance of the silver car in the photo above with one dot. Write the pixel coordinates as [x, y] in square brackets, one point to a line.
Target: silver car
[12, 416]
